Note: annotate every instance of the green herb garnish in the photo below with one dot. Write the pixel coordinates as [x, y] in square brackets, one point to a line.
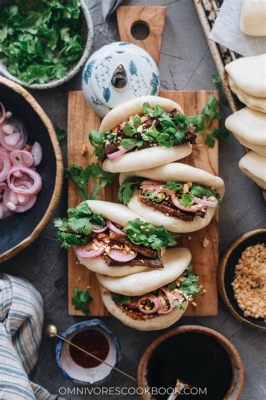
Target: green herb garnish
[175, 186]
[186, 200]
[61, 134]
[143, 233]
[127, 188]
[41, 40]
[99, 140]
[120, 298]
[81, 300]
[82, 175]
[75, 230]
[154, 196]
[190, 283]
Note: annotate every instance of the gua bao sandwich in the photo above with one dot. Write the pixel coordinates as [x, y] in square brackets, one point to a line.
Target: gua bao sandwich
[143, 133]
[179, 197]
[152, 299]
[112, 240]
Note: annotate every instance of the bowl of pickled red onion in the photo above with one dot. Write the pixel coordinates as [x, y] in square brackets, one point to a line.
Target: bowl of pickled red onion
[31, 169]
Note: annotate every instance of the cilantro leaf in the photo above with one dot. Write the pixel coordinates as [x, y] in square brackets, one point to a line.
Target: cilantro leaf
[81, 300]
[127, 188]
[145, 234]
[129, 129]
[131, 143]
[154, 196]
[209, 140]
[154, 112]
[200, 191]
[77, 227]
[136, 121]
[175, 186]
[40, 41]
[83, 175]
[190, 283]
[216, 79]
[61, 134]
[186, 200]
[171, 286]
[120, 298]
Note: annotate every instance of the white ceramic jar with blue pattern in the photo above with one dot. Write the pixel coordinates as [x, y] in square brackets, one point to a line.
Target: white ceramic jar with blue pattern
[116, 73]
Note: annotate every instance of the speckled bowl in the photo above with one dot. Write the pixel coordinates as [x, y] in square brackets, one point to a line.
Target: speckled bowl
[71, 72]
[78, 374]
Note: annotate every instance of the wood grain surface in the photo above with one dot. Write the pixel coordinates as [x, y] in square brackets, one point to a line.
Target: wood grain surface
[82, 119]
[153, 17]
[205, 259]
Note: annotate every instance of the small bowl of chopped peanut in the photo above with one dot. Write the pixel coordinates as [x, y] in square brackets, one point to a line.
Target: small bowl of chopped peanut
[242, 278]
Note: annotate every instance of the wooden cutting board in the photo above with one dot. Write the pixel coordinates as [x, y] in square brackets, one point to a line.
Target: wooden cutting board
[82, 119]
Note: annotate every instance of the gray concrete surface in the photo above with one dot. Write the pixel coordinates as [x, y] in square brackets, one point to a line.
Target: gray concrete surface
[185, 63]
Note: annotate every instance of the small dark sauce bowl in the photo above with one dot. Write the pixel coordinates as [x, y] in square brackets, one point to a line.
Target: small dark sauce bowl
[200, 357]
[19, 230]
[226, 275]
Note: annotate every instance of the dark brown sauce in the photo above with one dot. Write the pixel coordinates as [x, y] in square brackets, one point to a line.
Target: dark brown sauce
[196, 359]
[93, 341]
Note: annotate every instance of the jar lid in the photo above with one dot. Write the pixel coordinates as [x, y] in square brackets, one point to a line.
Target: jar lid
[121, 71]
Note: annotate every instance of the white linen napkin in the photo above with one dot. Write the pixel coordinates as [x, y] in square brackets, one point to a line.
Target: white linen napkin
[226, 31]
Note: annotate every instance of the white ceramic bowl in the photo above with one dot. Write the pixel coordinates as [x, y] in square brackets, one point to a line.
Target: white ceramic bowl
[71, 72]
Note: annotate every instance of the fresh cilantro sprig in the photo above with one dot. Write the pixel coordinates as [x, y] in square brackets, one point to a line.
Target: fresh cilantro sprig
[61, 134]
[127, 188]
[99, 140]
[209, 115]
[154, 196]
[75, 230]
[145, 234]
[82, 175]
[189, 285]
[120, 298]
[41, 40]
[81, 300]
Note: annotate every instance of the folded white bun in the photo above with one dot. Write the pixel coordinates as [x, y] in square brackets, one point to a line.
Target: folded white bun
[145, 158]
[249, 128]
[253, 102]
[155, 323]
[121, 215]
[253, 17]
[249, 75]
[175, 261]
[254, 166]
[174, 172]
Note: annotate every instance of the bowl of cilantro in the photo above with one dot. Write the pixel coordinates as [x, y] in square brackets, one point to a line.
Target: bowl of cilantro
[43, 43]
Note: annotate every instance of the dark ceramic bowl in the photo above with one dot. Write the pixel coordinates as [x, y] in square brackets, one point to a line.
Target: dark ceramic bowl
[20, 230]
[156, 357]
[84, 376]
[227, 274]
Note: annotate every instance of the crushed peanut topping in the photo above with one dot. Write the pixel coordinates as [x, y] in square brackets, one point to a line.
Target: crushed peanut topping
[249, 284]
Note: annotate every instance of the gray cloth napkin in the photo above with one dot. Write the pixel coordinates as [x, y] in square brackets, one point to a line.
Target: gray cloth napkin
[108, 7]
[21, 319]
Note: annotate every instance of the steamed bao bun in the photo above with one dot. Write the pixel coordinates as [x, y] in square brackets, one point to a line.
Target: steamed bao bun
[176, 261]
[121, 215]
[145, 158]
[174, 172]
[249, 128]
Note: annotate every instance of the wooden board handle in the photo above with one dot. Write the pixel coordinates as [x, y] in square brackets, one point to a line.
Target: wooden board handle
[153, 18]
